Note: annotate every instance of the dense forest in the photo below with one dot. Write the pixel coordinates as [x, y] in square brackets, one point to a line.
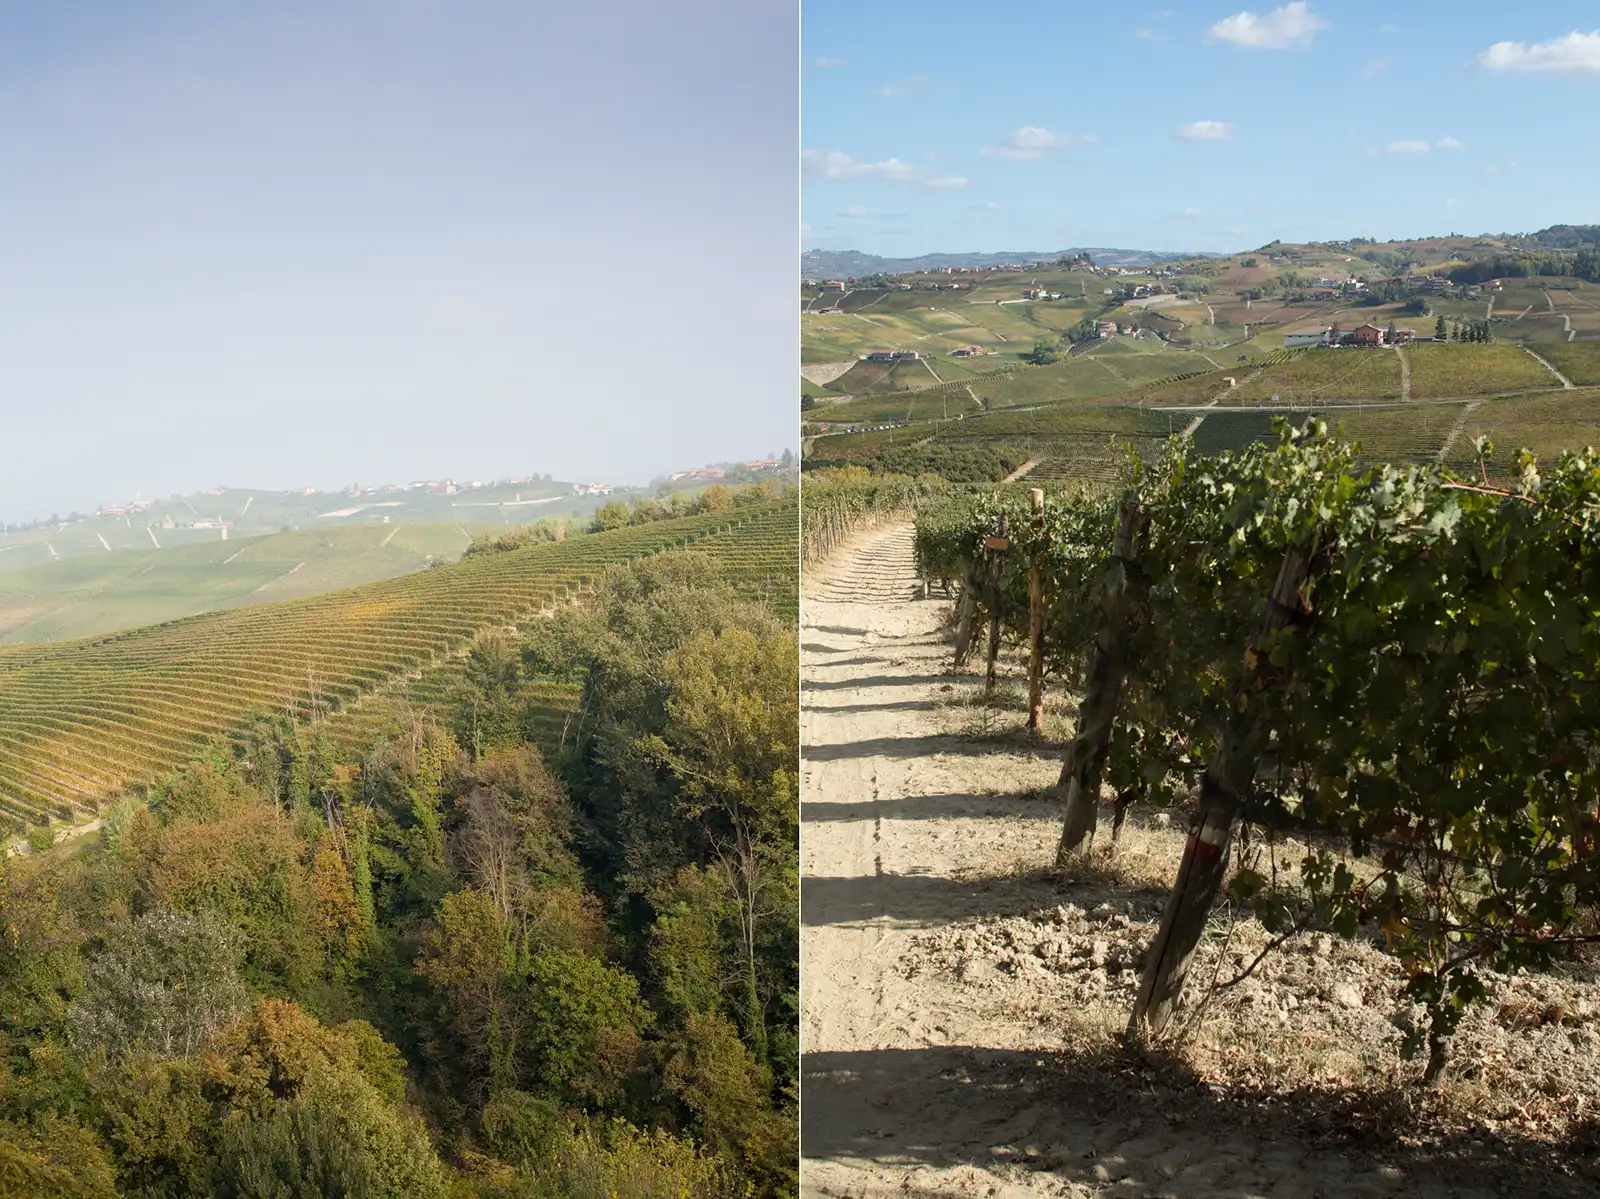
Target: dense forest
[450, 964]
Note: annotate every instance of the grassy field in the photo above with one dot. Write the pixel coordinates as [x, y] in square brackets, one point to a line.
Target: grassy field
[1414, 433]
[1440, 369]
[98, 593]
[1547, 425]
[877, 378]
[932, 403]
[1098, 421]
[1101, 373]
[855, 445]
[81, 721]
[1538, 326]
[1577, 360]
[1320, 376]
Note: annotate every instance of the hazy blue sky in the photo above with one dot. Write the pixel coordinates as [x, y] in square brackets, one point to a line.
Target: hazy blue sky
[274, 244]
[933, 125]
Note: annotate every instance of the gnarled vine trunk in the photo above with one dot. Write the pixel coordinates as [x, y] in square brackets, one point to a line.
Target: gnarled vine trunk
[1228, 781]
[1097, 715]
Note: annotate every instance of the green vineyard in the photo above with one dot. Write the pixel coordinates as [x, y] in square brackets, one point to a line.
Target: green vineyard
[83, 721]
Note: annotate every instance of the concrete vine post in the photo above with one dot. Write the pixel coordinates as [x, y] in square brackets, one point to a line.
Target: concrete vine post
[1036, 615]
[1228, 781]
[997, 547]
[1108, 665]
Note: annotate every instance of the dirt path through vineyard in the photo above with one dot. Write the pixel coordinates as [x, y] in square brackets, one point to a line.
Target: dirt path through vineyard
[959, 1003]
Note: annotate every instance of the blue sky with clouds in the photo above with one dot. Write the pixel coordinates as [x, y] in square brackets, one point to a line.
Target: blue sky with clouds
[368, 240]
[933, 126]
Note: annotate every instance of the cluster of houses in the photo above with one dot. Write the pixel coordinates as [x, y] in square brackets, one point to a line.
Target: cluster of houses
[130, 509]
[891, 356]
[714, 474]
[1155, 272]
[981, 270]
[1039, 293]
[1361, 335]
[969, 352]
[592, 489]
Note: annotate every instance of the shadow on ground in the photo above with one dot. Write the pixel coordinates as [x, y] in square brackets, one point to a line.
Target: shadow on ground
[907, 747]
[932, 807]
[876, 680]
[1146, 1126]
[925, 900]
[906, 705]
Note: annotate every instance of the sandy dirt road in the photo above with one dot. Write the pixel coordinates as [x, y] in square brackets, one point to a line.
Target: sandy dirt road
[960, 1003]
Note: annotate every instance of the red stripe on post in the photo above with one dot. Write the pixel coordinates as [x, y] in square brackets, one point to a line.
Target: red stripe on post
[1201, 849]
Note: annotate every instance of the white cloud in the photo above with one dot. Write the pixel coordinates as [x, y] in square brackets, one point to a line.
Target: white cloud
[1187, 217]
[1377, 66]
[1288, 28]
[1406, 145]
[1575, 54]
[834, 167]
[1206, 131]
[830, 62]
[1149, 35]
[1032, 142]
[463, 314]
[893, 91]
[1448, 143]
[855, 212]
[831, 166]
[1506, 168]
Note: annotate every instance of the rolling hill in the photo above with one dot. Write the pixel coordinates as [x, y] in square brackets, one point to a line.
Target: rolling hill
[841, 264]
[228, 513]
[88, 594]
[86, 720]
[1200, 350]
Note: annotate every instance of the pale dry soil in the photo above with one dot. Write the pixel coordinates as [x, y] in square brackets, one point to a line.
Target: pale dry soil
[962, 1005]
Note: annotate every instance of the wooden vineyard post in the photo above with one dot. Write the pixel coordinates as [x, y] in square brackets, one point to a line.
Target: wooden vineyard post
[997, 546]
[1036, 615]
[1097, 715]
[964, 610]
[1228, 780]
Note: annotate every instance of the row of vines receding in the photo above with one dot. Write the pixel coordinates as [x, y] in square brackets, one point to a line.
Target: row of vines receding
[1397, 665]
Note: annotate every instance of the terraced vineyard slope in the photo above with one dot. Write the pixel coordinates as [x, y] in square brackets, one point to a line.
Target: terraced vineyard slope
[83, 721]
[758, 554]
